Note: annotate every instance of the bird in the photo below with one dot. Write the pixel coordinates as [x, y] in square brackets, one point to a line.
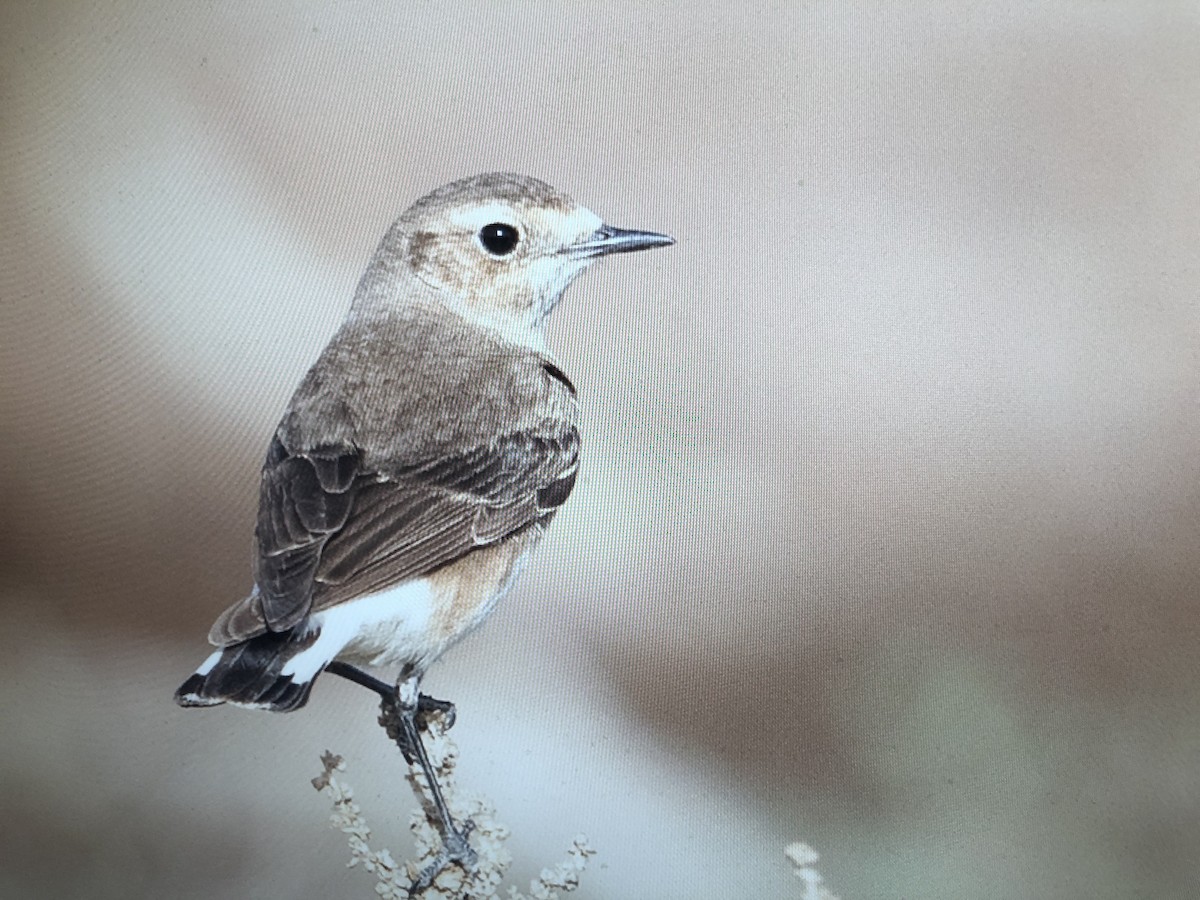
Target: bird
[417, 464]
[422, 456]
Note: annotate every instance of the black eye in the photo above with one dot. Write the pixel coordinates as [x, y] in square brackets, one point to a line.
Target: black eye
[499, 239]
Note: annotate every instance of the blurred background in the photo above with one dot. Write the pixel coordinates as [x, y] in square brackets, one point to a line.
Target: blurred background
[886, 533]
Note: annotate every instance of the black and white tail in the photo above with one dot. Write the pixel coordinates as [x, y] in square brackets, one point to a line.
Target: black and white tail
[255, 674]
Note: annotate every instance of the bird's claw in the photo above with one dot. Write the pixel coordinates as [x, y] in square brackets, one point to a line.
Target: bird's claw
[455, 851]
[392, 709]
[427, 705]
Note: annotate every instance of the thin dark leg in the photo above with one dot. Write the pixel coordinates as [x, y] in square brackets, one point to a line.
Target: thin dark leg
[402, 715]
[359, 677]
[399, 718]
[425, 703]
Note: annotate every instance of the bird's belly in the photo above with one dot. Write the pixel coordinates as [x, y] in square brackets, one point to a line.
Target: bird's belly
[468, 589]
[388, 627]
[414, 622]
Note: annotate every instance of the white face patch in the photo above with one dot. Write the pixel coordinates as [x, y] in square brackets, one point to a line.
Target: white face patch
[556, 274]
[550, 229]
[575, 226]
[510, 286]
[475, 218]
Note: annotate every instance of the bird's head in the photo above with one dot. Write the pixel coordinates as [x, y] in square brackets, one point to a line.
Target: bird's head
[502, 248]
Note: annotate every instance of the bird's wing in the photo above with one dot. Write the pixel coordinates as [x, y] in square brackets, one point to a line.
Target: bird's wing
[429, 513]
[331, 529]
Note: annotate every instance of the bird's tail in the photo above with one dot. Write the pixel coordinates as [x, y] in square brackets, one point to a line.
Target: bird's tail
[254, 673]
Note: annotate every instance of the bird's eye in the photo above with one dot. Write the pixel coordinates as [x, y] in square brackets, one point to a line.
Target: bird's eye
[499, 239]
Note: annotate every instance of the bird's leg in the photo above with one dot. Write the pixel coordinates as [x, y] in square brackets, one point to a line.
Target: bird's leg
[361, 678]
[425, 703]
[398, 716]
[403, 712]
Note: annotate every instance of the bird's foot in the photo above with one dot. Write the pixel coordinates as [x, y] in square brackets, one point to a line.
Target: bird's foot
[455, 852]
[404, 713]
[427, 705]
[388, 693]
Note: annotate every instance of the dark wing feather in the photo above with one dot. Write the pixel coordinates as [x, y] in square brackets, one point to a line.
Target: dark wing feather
[303, 499]
[430, 513]
[329, 531]
[369, 482]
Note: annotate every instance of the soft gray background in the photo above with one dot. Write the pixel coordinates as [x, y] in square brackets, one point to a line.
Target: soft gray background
[886, 536]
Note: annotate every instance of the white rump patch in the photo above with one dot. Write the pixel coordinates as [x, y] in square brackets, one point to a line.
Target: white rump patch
[380, 629]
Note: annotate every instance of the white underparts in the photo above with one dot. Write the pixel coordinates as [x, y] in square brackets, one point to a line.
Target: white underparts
[388, 627]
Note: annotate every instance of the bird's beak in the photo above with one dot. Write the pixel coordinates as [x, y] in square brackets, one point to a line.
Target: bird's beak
[607, 239]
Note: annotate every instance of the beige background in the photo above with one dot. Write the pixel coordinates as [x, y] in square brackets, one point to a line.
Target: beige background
[886, 535]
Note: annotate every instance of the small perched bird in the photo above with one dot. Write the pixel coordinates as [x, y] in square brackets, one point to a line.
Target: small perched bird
[423, 454]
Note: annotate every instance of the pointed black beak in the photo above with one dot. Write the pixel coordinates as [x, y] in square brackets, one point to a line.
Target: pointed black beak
[607, 239]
